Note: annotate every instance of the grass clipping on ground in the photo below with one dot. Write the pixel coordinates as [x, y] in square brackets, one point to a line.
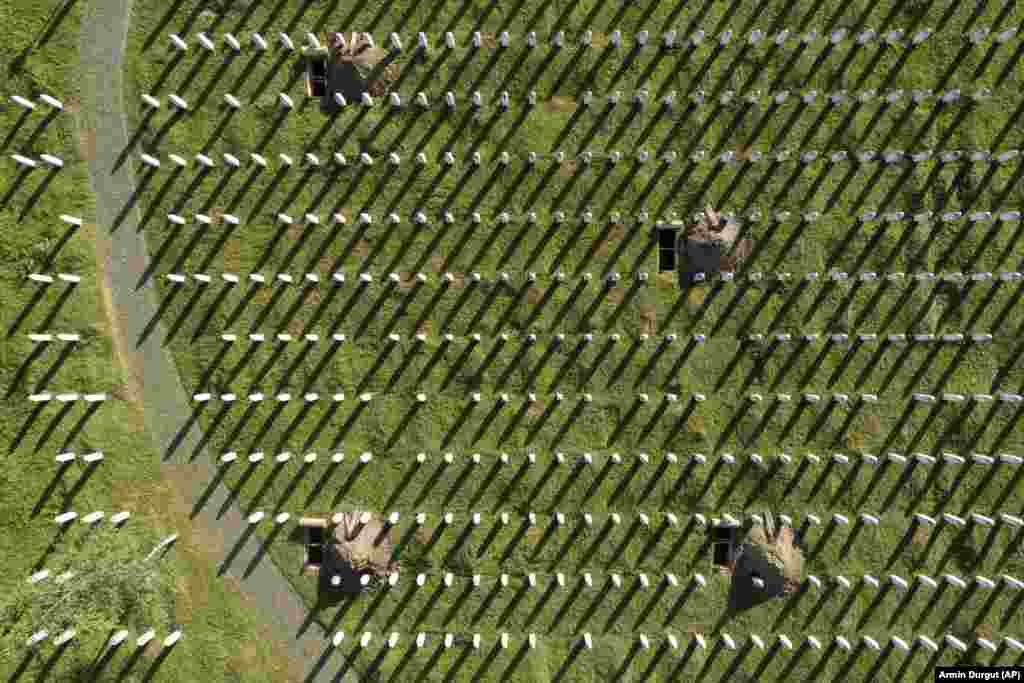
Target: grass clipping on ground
[100, 583]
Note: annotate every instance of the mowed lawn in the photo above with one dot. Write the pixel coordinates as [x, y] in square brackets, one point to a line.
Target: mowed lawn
[581, 277]
[39, 49]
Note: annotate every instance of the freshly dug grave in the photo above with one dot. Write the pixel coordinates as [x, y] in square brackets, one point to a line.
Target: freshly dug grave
[356, 549]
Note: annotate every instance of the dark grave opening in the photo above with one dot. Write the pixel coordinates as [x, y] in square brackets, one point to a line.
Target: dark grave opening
[667, 235]
[317, 75]
[315, 545]
[723, 540]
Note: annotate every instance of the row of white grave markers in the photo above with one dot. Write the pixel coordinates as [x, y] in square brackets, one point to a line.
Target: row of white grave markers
[30, 163]
[698, 641]
[615, 337]
[559, 217]
[588, 397]
[66, 636]
[504, 277]
[29, 105]
[44, 279]
[68, 457]
[46, 397]
[589, 458]
[639, 99]
[533, 159]
[420, 218]
[91, 519]
[627, 581]
[754, 216]
[643, 397]
[641, 581]
[45, 338]
[673, 520]
[668, 39]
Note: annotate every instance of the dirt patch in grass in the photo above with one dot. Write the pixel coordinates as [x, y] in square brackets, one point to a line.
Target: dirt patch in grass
[534, 534]
[407, 281]
[616, 295]
[361, 248]
[695, 425]
[152, 649]
[872, 424]
[600, 40]
[311, 296]
[567, 168]
[560, 103]
[855, 441]
[438, 263]
[534, 295]
[85, 137]
[263, 296]
[920, 536]
[247, 658]
[131, 387]
[648, 318]
[310, 649]
[232, 254]
[536, 409]
[121, 392]
[325, 265]
[615, 234]
[696, 296]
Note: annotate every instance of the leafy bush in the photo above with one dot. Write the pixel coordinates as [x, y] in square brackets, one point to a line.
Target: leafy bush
[113, 584]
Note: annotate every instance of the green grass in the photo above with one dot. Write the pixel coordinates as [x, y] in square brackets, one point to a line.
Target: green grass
[210, 612]
[197, 315]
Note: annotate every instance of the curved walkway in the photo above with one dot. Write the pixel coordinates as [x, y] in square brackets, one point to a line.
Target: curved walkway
[166, 408]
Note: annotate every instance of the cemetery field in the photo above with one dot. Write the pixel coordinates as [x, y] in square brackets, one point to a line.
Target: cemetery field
[39, 50]
[465, 309]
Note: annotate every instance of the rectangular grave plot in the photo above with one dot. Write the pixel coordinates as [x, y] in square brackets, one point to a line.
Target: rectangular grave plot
[667, 235]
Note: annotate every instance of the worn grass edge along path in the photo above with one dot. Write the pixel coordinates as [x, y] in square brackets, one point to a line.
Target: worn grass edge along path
[102, 46]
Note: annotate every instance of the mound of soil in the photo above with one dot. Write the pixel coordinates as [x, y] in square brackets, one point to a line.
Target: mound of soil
[356, 550]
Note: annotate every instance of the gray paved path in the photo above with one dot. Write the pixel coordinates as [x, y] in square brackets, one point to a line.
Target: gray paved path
[102, 47]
